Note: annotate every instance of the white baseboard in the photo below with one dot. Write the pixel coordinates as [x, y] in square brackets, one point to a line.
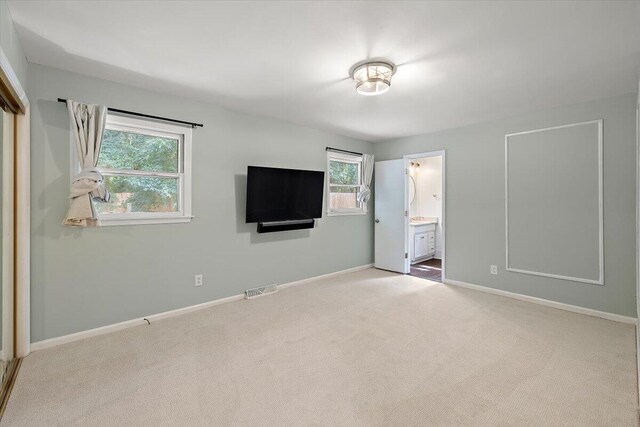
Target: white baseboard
[541, 301]
[325, 276]
[52, 342]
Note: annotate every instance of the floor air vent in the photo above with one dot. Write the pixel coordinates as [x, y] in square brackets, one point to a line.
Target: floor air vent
[258, 292]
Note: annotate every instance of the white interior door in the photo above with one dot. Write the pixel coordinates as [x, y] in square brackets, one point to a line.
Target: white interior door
[390, 219]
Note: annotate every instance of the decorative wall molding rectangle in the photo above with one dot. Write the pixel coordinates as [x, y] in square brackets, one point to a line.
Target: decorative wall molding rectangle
[554, 202]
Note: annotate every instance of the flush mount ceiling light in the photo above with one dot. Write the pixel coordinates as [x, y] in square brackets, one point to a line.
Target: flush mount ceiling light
[373, 77]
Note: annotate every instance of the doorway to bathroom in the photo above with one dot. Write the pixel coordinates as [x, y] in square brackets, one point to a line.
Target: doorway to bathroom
[425, 209]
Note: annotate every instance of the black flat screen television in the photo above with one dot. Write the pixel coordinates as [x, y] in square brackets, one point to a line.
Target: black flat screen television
[275, 194]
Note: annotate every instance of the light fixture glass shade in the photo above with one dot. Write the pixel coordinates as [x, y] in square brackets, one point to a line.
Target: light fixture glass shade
[373, 78]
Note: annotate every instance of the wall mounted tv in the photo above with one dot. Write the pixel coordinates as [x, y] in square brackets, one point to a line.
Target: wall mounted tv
[283, 199]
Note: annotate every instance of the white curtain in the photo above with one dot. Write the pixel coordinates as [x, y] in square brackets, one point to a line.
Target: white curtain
[367, 173]
[87, 127]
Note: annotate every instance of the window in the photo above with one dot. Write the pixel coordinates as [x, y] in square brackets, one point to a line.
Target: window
[344, 181]
[147, 170]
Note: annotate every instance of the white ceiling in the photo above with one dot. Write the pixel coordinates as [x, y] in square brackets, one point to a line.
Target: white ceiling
[458, 63]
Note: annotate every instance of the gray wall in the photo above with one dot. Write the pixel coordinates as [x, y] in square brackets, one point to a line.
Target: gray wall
[475, 213]
[11, 44]
[82, 279]
[140, 270]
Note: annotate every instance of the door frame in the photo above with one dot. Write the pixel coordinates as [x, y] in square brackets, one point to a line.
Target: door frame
[8, 236]
[407, 159]
[15, 95]
[638, 238]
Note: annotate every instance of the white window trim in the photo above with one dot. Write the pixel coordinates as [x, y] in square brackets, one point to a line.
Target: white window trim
[149, 127]
[333, 155]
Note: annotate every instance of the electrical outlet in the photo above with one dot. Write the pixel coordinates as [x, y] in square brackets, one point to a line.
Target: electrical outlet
[494, 269]
[198, 280]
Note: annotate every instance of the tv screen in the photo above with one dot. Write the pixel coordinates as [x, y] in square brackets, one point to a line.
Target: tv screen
[275, 194]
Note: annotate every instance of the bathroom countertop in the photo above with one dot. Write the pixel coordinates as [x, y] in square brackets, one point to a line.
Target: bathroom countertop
[422, 221]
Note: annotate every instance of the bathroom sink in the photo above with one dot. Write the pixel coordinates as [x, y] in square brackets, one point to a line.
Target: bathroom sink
[423, 221]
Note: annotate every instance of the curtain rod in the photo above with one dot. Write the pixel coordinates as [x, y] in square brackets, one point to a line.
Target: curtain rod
[342, 151]
[148, 116]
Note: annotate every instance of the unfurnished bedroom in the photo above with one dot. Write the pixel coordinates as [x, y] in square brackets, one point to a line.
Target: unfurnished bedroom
[319, 213]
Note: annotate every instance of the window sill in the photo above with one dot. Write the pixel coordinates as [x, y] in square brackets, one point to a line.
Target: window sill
[347, 213]
[110, 222]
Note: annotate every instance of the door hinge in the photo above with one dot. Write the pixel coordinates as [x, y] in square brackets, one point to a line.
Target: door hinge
[406, 255]
[406, 171]
[406, 213]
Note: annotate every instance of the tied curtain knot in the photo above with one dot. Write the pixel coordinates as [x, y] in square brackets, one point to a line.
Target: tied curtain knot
[90, 181]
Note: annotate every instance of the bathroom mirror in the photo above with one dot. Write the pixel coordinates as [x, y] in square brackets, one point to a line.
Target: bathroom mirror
[412, 190]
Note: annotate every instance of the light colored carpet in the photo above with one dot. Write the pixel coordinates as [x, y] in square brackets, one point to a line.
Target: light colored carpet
[366, 349]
